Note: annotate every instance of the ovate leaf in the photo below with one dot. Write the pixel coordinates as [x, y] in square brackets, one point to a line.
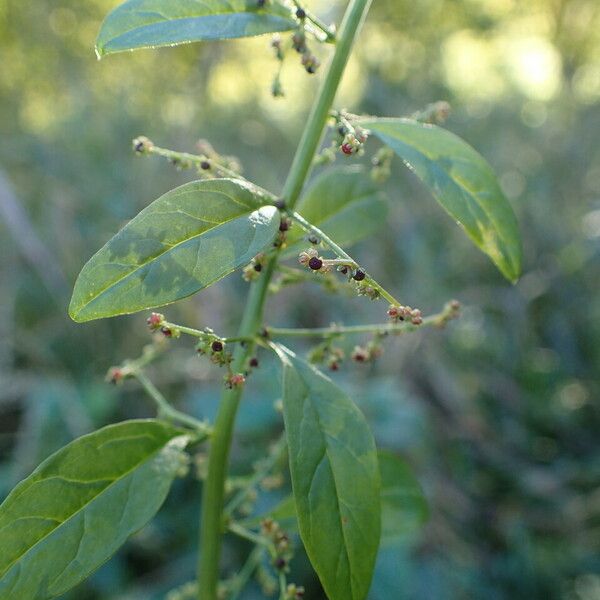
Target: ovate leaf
[335, 479]
[183, 242]
[345, 204]
[403, 505]
[462, 182]
[150, 23]
[80, 505]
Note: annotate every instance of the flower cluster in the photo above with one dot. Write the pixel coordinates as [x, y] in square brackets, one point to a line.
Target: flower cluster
[294, 592]
[254, 269]
[405, 313]
[328, 354]
[234, 380]
[282, 546]
[365, 354]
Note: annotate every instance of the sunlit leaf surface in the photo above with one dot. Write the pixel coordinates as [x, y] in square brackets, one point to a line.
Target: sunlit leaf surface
[186, 240]
[80, 505]
[150, 23]
[345, 204]
[335, 479]
[462, 182]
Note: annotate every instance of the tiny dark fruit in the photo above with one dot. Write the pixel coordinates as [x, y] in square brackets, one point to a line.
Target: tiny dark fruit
[344, 270]
[254, 362]
[301, 13]
[217, 346]
[205, 165]
[313, 239]
[284, 225]
[359, 275]
[280, 563]
[315, 263]
[258, 267]
[280, 204]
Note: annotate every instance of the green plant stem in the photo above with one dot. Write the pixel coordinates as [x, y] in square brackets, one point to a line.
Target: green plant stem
[211, 522]
[380, 328]
[315, 126]
[165, 410]
[198, 333]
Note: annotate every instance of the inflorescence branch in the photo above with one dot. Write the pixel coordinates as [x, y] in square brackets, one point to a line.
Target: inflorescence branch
[209, 164]
[440, 319]
[344, 260]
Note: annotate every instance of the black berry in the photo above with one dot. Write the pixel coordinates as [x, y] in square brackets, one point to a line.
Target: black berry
[254, 362]
[258, 267]
[315, 263]
[284, 225]
[359, 275]
[301, 13]
[217, 346]
[205, 165]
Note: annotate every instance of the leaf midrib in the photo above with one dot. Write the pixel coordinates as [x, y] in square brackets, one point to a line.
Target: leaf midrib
[157, 256]
[456, 182]
[71, 516]
[335, 483]
[118, 37]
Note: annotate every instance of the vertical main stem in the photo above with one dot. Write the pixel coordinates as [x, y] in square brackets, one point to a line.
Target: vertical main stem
[211, 523]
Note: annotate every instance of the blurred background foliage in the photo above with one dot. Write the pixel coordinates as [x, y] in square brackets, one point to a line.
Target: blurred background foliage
[498, 414]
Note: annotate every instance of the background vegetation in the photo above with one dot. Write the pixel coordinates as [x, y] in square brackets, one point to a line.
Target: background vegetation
[498, 414]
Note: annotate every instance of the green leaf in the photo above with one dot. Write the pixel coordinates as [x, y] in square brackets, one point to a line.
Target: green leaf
[151, 23]
[462, 182]
[345, 204]
[81, 504]
[335, 479]
[183, 242]
[403, 505]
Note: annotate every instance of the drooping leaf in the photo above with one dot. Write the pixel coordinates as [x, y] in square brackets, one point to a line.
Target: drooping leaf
[345, 204]
[403, 506]
[335, 479]
[462, 181]
[151, 23]
[80, 505]
[183, 242]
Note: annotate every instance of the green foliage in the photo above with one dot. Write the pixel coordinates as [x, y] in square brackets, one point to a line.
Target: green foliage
[345, 204]
[151, 23]
[81, 504]
[462, 182]
[183, 242]
[403, 505]
[335, 479]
